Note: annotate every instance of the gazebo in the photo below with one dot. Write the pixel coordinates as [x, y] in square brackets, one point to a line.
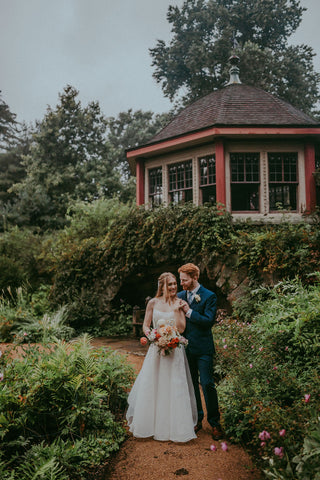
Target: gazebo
[239, 147]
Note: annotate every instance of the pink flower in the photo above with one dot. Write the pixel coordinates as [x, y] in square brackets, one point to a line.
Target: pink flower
[286, 349]
[25, 334]
[307, 397]
[252, 346]
[250, 365]
[224, 446]
[224, 340]
[264, 435]
[1, 377]
[278, 451]
[260, 349]
[225, 346]
[275, 368]
[263, 444]
[282, 432]
[213, 448]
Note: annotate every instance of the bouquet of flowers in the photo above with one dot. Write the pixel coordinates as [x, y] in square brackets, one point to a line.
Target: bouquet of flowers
[166, 338]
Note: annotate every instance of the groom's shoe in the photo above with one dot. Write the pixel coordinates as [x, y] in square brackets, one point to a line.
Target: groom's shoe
[198, 427]
[217, 433]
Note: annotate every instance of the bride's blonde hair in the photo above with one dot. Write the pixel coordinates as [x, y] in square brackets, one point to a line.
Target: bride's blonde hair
[163, 281]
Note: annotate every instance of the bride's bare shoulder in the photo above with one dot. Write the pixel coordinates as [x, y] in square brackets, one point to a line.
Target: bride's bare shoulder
[152, 302]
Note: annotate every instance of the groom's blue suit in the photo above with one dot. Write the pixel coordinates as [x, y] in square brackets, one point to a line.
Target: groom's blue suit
[200, 350]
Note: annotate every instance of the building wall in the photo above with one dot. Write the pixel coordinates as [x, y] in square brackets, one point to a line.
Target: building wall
[263, 147]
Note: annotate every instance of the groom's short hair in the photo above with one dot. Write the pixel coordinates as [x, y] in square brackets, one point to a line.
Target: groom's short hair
[190, 269]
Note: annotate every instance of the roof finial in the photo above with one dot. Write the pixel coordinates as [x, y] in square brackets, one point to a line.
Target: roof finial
[234, 70]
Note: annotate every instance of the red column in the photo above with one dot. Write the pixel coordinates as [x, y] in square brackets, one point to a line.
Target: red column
[140, 181]
[310, 166]
[220, 173]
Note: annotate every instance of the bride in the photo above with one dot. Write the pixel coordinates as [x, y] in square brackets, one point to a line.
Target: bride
[162, 403]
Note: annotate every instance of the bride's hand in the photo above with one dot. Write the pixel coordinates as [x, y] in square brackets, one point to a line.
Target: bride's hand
[183, 305]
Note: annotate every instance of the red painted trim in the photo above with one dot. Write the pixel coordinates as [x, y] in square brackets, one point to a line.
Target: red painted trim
[221, 131]
[140, 182]
[310, 166]
[220, 173]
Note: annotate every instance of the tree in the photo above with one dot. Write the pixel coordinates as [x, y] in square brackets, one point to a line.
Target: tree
[8, 125]
[12, 170]
[207, 32]
[68, 160]
[128, 130]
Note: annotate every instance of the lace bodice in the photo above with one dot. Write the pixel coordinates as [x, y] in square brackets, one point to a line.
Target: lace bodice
[162, 318]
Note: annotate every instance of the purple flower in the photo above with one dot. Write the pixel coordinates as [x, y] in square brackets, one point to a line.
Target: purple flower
[282, 432]
[262, 444]
[250, 365]
[307, 397]
[213, 448]
[264, 435]
[225, 346]
[278, 451]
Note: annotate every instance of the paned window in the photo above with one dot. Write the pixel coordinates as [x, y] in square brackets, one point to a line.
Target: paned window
[155, 186]
[245, 181]
[207, 166]
[180, 182]
[283, 180]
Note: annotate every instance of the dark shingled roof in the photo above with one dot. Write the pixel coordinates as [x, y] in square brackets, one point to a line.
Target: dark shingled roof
[234, 105]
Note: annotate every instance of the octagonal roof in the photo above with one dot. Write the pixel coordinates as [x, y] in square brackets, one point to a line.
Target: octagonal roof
[235, 105]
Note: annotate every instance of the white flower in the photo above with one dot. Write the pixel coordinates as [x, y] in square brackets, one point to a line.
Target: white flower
[197, 298]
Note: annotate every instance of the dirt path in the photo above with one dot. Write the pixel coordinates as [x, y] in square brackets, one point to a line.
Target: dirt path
[147, 459]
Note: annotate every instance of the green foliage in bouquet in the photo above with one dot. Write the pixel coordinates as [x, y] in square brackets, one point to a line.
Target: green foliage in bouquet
[61, 410]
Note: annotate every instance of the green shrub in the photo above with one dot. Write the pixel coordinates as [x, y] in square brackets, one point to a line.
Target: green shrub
[23, 321]
[11, 275]
[22, 247]
[269, 372]
[59, 408]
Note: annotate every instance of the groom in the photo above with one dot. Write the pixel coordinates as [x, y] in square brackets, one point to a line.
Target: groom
[200, 307]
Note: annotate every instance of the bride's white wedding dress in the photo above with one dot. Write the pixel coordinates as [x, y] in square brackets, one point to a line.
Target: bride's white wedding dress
[162, 404]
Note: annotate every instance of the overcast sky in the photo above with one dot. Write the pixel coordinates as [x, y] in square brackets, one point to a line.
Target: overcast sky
[100, 47]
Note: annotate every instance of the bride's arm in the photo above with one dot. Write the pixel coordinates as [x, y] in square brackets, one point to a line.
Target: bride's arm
[148, 316]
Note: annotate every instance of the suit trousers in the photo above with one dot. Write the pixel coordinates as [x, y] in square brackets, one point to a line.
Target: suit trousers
[202, 365]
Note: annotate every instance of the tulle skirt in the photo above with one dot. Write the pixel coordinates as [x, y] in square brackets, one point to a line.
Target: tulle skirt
[162, 403]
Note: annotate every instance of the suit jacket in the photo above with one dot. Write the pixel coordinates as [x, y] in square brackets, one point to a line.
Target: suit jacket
[199, 325]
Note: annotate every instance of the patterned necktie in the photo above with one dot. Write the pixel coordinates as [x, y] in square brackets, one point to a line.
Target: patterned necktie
[190, 296]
